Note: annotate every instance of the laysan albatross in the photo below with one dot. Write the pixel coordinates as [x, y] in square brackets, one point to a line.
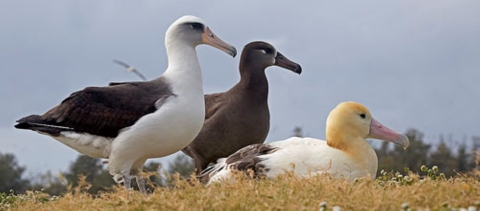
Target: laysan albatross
[132, 121]
[240, 116]
[344, 154]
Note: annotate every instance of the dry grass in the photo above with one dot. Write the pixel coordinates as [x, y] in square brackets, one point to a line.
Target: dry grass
[285, 193]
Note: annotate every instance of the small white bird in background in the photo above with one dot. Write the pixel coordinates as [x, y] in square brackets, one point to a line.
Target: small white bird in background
[344, 154]
[130, 69]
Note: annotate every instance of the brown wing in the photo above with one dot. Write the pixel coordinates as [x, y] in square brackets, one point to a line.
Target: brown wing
[101, 110]
[247, 158]
[244, 159]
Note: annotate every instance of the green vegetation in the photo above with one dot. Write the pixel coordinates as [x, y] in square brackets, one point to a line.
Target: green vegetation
[11, 174]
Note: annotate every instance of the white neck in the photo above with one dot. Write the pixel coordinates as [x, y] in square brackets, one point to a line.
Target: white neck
[183, 68]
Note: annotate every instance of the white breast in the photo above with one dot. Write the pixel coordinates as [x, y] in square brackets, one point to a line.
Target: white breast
[308, 156]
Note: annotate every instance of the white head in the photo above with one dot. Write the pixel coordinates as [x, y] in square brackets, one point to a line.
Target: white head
[194, 31]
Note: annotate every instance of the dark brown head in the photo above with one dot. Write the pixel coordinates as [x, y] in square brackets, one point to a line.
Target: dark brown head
[260, 55]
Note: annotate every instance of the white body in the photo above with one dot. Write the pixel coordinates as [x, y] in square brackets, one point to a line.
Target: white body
[309, 157]
[169, 129]
[84, 143]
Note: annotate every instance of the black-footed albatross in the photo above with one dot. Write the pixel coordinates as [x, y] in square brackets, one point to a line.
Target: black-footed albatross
[240, 116]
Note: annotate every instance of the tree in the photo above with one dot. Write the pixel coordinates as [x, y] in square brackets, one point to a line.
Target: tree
[51, 184]
[384, 150]
[417, 153]
[463, 161]
[444, 159]
[475, 158]
[92, 168]
[386, 160]
[413, 157]
[11, 174]
[183, 165]
[153, 179]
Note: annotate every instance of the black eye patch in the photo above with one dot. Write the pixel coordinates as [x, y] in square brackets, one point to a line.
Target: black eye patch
[267, 50]
[363, 116]
[196, 26]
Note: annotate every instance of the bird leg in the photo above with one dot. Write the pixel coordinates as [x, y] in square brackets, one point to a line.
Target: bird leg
[127, 181]
[141, 184]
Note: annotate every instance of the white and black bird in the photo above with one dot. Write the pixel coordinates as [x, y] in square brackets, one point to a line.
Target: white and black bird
[131, 122]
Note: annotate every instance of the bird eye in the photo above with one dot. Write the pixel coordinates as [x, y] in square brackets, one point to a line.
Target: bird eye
[196, 26]
[266, 50]
[362, 116]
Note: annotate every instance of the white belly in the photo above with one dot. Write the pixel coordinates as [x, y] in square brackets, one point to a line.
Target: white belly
[87, 144]
[312, 157]
[164, 132]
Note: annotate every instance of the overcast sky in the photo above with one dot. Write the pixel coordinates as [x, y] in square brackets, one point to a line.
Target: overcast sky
[415, 64]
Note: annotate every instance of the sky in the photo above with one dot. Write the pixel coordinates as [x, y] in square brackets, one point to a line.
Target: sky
[414, 64]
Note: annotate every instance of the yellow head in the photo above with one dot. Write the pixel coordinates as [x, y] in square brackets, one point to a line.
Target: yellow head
[350, 122]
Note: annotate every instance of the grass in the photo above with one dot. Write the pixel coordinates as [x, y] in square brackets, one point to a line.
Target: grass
[388, 192]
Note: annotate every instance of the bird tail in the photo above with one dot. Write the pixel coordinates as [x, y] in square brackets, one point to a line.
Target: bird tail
[37, 123]
[212, 170]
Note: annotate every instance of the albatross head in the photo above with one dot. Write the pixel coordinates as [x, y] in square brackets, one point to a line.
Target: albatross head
[194, 31]
[354, 122]
[263, 55]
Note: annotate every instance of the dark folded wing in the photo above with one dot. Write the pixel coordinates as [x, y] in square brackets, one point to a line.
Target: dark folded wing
[248, 158]
[244, 159]
[102, 110]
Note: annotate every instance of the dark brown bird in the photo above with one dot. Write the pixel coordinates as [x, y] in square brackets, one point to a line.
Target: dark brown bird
[240, 116]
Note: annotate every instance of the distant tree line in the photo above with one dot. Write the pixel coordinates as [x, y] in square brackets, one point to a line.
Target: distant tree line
[90, 170]
[419, 153]
[96, 175]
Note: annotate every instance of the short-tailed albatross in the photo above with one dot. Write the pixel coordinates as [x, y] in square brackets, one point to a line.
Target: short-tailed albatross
[345, 153]
[132, 121]
[239, 116]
